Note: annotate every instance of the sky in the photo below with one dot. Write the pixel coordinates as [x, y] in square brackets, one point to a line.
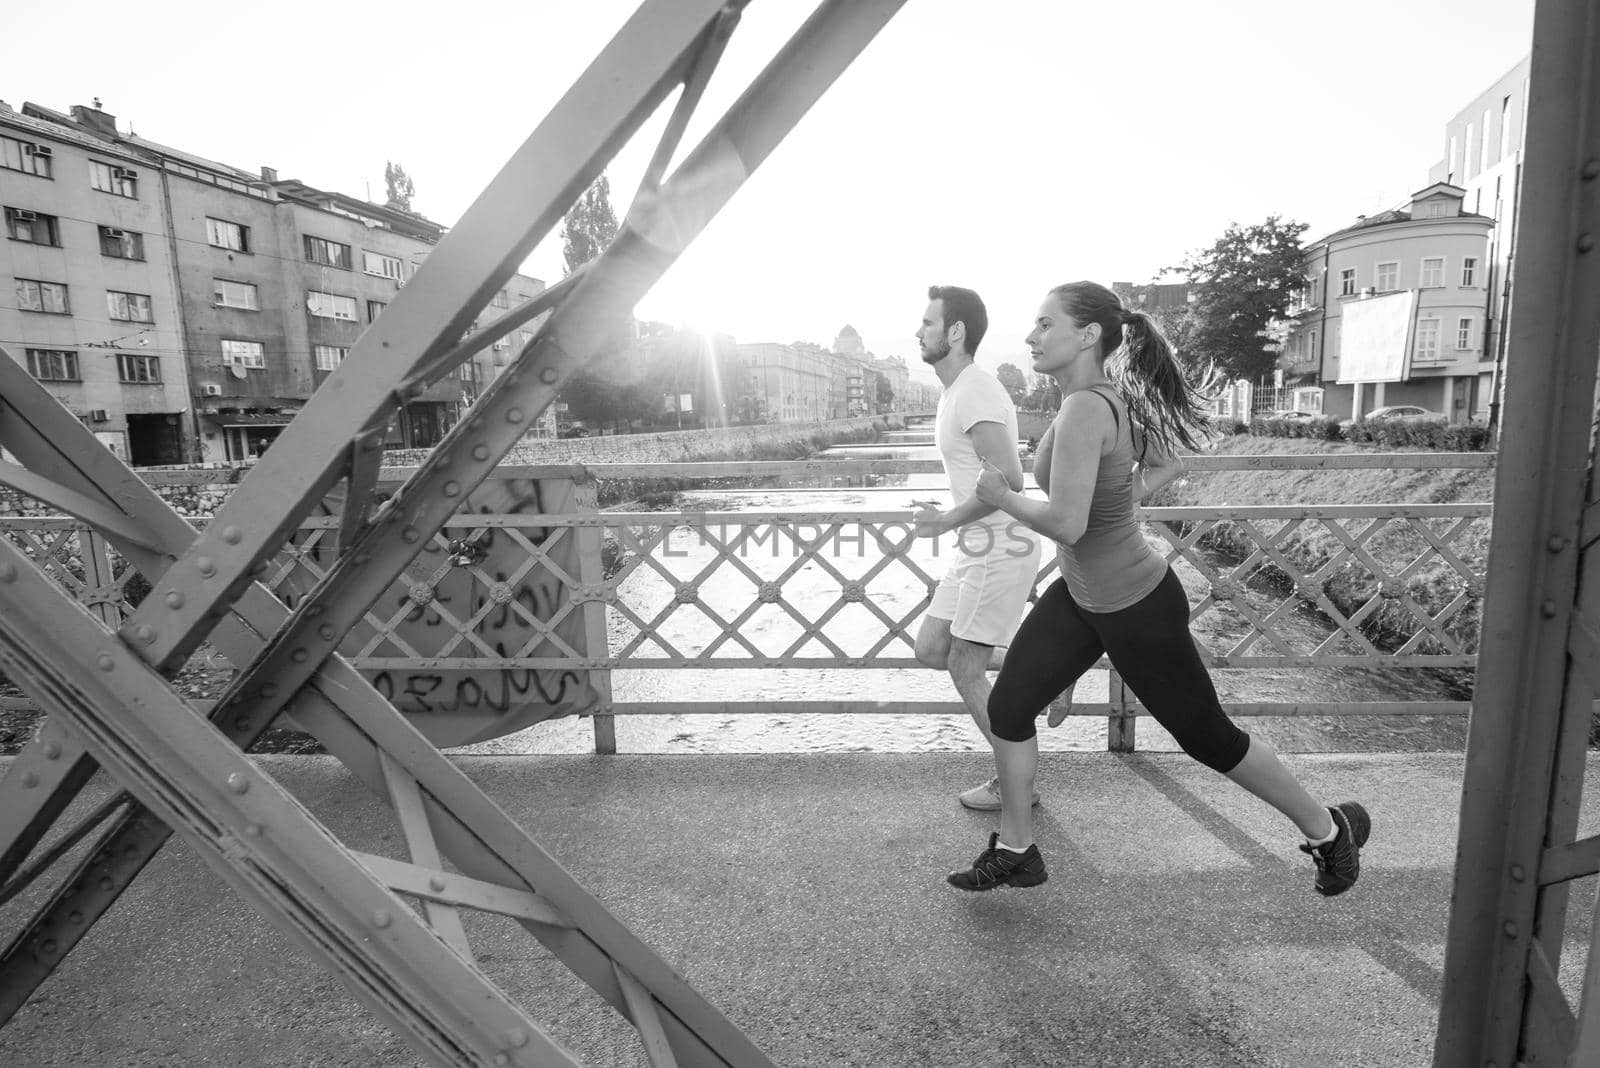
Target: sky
[1005, 145]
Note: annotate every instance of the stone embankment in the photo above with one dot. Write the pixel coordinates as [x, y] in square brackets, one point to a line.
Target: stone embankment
[198, 490]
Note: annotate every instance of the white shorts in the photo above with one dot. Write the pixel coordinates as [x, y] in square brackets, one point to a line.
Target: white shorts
[983, 595]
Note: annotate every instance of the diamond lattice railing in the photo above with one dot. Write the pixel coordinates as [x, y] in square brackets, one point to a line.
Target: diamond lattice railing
[1283, 586]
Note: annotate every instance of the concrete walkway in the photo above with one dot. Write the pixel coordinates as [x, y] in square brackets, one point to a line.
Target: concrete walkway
[804, 895]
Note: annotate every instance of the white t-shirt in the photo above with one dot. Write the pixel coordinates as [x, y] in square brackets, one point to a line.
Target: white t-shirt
[976, 396]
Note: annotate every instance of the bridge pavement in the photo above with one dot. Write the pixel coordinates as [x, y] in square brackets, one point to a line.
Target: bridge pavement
[805, 896]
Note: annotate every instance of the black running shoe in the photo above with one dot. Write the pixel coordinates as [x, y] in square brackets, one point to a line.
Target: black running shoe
[1339, 861]
[1001, 867]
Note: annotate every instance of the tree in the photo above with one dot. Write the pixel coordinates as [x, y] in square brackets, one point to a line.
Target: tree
[885, 392]
[1044, 394]
[589, 226]
[609, 388]
[1011, 376]
[1241, 284]
[400, 186]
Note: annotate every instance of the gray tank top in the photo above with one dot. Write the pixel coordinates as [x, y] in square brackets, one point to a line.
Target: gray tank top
[1112, 567]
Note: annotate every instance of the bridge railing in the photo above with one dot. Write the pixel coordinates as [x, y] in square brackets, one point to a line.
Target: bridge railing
[551, 602]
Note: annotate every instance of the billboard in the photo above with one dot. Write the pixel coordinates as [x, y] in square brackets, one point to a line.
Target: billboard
[1375, 337]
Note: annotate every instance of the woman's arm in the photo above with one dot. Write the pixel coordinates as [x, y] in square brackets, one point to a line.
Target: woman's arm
[1081, 432]
[1155, 471]
[1041, 457]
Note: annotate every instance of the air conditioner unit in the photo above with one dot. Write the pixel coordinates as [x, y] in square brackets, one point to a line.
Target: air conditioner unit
[23, 215]
[38, 150]
[210, 389]
[115, 235]
[98, 415]
[1367, 292]
[123, 172]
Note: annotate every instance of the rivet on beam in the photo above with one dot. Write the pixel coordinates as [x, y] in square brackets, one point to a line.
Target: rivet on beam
[436, 883]
[410, 535]
[52, 750]
[8, 572]
[548, 376]
[1585, 242]
[300, 656]
[145, 633]
[327, 632]
[518, 1037]
[238, 783]
[174, 600]
[205, 566]
[452, 489]
[514, 415]
[1591, 170]
[231, 535]
[29, 779]
[105, 662]
[381, 918]
[480, 452]
[269, 690]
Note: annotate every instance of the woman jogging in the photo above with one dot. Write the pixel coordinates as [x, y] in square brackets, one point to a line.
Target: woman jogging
[1125, 411]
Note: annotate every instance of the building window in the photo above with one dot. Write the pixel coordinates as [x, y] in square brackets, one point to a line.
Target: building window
[382, 266]
[502, 299]
[1464, 333]
[1455, 160]
[331, 306]
[1311, 347]
[1483, 143]
[226, 294]
[1347, 282]
[47, 297]
[25, 156]
[1434, 210]
[1469, 270]
[121, 244]
[373, 308]
[128, 307]
[244, 353]
[1505, 127]
[138, 369]
[1432, 272]
[466, 371]
[53, 365]
[33, 226]
[1427, 339]
[223, 234]
[109, 178]
[114, 179]
[329, 356]
[1388, 277]
[1466, 164]
[330, 253]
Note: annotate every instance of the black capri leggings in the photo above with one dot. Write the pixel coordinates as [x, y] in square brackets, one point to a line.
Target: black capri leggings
[1149, 644]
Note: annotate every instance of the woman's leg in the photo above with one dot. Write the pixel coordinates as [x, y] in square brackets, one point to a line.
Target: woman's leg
[1053, 647]
[1150, 645]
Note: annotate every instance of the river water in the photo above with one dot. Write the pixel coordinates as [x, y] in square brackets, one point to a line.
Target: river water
[811, 590]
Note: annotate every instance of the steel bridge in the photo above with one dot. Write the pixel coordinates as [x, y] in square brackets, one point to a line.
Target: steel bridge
[113, 706]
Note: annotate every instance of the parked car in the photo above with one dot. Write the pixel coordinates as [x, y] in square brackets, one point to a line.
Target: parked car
[1290, 413]
[1402, 411]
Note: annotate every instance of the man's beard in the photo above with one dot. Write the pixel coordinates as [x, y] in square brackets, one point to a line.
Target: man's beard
[933, 356]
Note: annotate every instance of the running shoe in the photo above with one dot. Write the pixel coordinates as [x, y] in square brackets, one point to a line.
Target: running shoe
[1001, 867]
[1339, 861]
[985, 797]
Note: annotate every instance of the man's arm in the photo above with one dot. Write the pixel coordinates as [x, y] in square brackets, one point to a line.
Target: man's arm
[999, 449]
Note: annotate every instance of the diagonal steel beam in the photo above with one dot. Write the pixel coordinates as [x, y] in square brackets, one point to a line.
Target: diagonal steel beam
[252, 832]
[1512, 796]
[608, 103]
[650, 240]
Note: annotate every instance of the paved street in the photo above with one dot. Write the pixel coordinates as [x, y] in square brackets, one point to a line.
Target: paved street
[804, 895]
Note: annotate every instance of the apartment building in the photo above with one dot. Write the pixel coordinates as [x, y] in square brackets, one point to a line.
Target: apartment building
[94, 312]
[268, 283]
[1483, 146]
[1392, 311]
